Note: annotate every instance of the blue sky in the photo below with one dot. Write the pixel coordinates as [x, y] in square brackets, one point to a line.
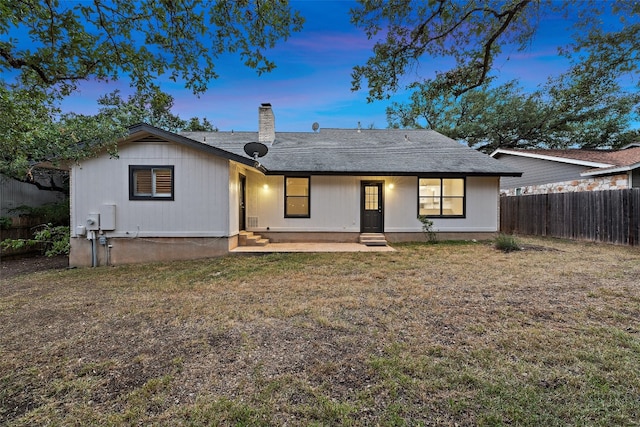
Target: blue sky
[312, 81]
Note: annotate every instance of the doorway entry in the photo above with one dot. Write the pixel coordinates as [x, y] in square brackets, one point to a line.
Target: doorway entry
[242, 188]
[372, 207]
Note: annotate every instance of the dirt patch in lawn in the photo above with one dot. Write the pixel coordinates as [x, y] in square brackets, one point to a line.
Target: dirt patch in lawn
[431, 334]
[23, 265]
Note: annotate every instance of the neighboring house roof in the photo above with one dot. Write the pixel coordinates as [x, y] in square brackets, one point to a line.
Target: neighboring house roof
[364, 151]
[598, 162]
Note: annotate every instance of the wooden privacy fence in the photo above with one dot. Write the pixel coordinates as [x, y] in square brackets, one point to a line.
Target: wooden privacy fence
[21, 228]
[604, 216]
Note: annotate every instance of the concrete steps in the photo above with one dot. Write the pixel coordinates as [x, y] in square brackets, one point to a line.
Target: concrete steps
[248, 238]
[373, 239]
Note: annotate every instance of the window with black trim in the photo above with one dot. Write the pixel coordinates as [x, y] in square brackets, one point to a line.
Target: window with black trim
[151, 182]
[441, 197]
[296, 197]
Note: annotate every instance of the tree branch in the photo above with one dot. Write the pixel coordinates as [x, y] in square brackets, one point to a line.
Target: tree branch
[20, 63]
[52, 186]
[486, 63]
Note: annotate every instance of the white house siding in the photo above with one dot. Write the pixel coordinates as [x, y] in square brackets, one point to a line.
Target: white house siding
[335, 205]
[483, 201]
[334, 202]
[235, 170]
[538, 171]
[199, 209]
[481, 207]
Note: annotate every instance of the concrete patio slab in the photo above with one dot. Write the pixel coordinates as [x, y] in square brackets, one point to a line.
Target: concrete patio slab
[312, 247]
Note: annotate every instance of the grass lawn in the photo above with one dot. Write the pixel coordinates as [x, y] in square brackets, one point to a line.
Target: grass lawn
[445, 334]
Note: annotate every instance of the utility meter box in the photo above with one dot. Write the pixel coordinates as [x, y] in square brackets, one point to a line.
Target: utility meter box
[108, 217]
[93, 222]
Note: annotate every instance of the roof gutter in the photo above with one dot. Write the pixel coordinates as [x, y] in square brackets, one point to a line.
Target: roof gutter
[609, 171]
[387, 173]
[552, 158]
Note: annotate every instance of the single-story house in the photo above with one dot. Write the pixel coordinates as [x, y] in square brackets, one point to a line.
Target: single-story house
[561, 171]
[168, 196]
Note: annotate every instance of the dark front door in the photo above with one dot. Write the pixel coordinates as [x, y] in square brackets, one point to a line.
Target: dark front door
[241, 199]
[372, 208]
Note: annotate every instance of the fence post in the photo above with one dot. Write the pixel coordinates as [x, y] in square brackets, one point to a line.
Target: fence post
[632, 218]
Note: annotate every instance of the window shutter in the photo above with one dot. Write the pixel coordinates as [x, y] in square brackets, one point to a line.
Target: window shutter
[163, 181]
[143, 182]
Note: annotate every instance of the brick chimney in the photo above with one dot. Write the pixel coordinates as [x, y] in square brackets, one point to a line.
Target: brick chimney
[266, 124]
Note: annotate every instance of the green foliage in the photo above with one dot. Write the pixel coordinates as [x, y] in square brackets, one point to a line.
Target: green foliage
[52, 236]
[507, 243]
[5, 222]
[427, 229]
[194, 125]
[153, 108]
[471, 33]
[474, 33]
[559, 115]
[54, 240]
[74, 41]
[33, 132]
[584, 106]
[69, 42]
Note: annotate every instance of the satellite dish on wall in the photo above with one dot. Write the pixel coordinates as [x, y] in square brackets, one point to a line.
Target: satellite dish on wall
[315, 126]
[255, 150]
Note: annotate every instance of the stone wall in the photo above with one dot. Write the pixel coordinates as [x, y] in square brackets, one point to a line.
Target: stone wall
[611, 182]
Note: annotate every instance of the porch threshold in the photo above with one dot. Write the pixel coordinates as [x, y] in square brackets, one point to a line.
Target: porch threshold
[311, 247]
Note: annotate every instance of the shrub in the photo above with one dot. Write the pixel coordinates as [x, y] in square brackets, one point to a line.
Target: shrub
[507, 243]
[5, 223]
[427, 229]
[53, 239]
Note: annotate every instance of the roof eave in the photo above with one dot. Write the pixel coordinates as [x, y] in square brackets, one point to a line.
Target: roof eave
[551, 158]
[609, 171]
[146, 129]
[388, 173]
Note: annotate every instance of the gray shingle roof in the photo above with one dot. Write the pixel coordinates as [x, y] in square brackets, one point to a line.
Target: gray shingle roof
[368, 151]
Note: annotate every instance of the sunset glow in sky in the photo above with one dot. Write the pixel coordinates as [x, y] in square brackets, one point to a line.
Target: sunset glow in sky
[312, 81]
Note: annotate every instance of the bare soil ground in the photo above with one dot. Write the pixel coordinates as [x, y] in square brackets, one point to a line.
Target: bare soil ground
[23, 265]
[442, 334]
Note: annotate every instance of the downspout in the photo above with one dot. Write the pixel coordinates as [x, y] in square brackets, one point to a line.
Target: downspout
[94, 248]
